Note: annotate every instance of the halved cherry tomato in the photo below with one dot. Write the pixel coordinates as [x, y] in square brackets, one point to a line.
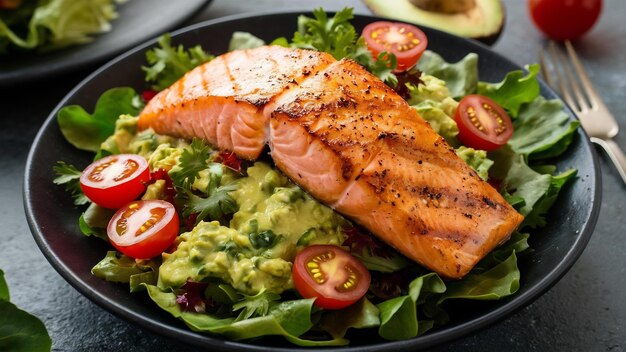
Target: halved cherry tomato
[483, 124]
[405, 41]
[115, 180]
[564, 19]
[144, 229]
[332, 275]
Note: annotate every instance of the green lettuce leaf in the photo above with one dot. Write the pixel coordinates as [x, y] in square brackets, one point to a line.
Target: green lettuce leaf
[461, 78]
[19, 330]
[87, 131]
[398, 316]
[542, 129]
[58, 23]
[515, 90]
[120, 268]
[520, 182]
[289, 319]
[500, 281]
[244, 40]
[360, 315]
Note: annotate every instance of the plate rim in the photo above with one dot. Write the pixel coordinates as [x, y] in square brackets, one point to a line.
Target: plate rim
[432, 338]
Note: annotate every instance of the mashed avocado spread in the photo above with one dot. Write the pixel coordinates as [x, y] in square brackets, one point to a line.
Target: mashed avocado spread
[275, 218]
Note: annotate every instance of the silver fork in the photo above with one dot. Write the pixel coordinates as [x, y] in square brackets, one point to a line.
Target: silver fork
[582, 98]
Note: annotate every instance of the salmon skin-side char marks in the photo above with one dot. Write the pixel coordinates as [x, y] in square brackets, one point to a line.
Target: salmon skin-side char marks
[347, 139]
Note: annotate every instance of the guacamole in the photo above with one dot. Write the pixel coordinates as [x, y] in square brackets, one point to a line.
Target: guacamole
[256, 251]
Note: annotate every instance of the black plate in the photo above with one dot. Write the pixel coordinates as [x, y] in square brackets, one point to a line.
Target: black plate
[53, 218]
[138, 20]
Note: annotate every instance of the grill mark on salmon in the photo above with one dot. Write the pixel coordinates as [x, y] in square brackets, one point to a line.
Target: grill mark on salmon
[350, 141]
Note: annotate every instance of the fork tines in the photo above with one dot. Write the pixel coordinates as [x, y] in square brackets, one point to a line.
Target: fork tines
[577, 93]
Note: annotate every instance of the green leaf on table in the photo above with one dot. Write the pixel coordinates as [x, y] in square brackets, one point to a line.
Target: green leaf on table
[4, 288]
[461, 77]
[87, 131]
[517, 88]
[19, 330]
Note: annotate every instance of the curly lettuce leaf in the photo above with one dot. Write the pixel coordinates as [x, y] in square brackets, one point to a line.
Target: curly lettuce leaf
[167, 64]
[19, 330]
[515, 90]
[461, 77]
[58, 23]
[87, 131]
[338, 37]
[542, 129]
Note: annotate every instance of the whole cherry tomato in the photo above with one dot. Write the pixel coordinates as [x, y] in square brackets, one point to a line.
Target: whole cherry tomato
[564, 19]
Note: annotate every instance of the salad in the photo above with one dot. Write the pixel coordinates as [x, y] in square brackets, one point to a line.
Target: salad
[222, 243]
[52, 24]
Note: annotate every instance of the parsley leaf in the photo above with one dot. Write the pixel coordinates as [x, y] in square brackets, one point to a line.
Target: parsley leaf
[255, 306]
[69, 176]
[216, 206]
[167, 63]
[338, 37]
[193, 160]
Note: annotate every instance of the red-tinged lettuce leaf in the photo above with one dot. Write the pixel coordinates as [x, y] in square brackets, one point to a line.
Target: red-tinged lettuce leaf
[191, 298]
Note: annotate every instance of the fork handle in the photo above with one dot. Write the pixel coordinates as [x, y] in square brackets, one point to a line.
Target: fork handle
[615, 153]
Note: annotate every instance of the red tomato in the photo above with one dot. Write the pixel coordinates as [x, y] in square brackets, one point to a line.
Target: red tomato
[115, 180]
[405, 41]
[332, 275]
[144, 229]
[483, 124]
[564, 19]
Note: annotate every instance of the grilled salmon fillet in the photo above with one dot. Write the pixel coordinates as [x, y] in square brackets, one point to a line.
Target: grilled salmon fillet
[350, 141]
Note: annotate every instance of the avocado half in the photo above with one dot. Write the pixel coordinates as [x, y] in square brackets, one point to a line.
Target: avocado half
[482, 20]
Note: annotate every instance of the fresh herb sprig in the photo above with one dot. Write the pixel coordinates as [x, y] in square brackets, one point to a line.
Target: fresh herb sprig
[168, 63]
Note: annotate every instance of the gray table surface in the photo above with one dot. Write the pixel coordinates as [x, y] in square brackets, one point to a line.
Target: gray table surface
[585, 311]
